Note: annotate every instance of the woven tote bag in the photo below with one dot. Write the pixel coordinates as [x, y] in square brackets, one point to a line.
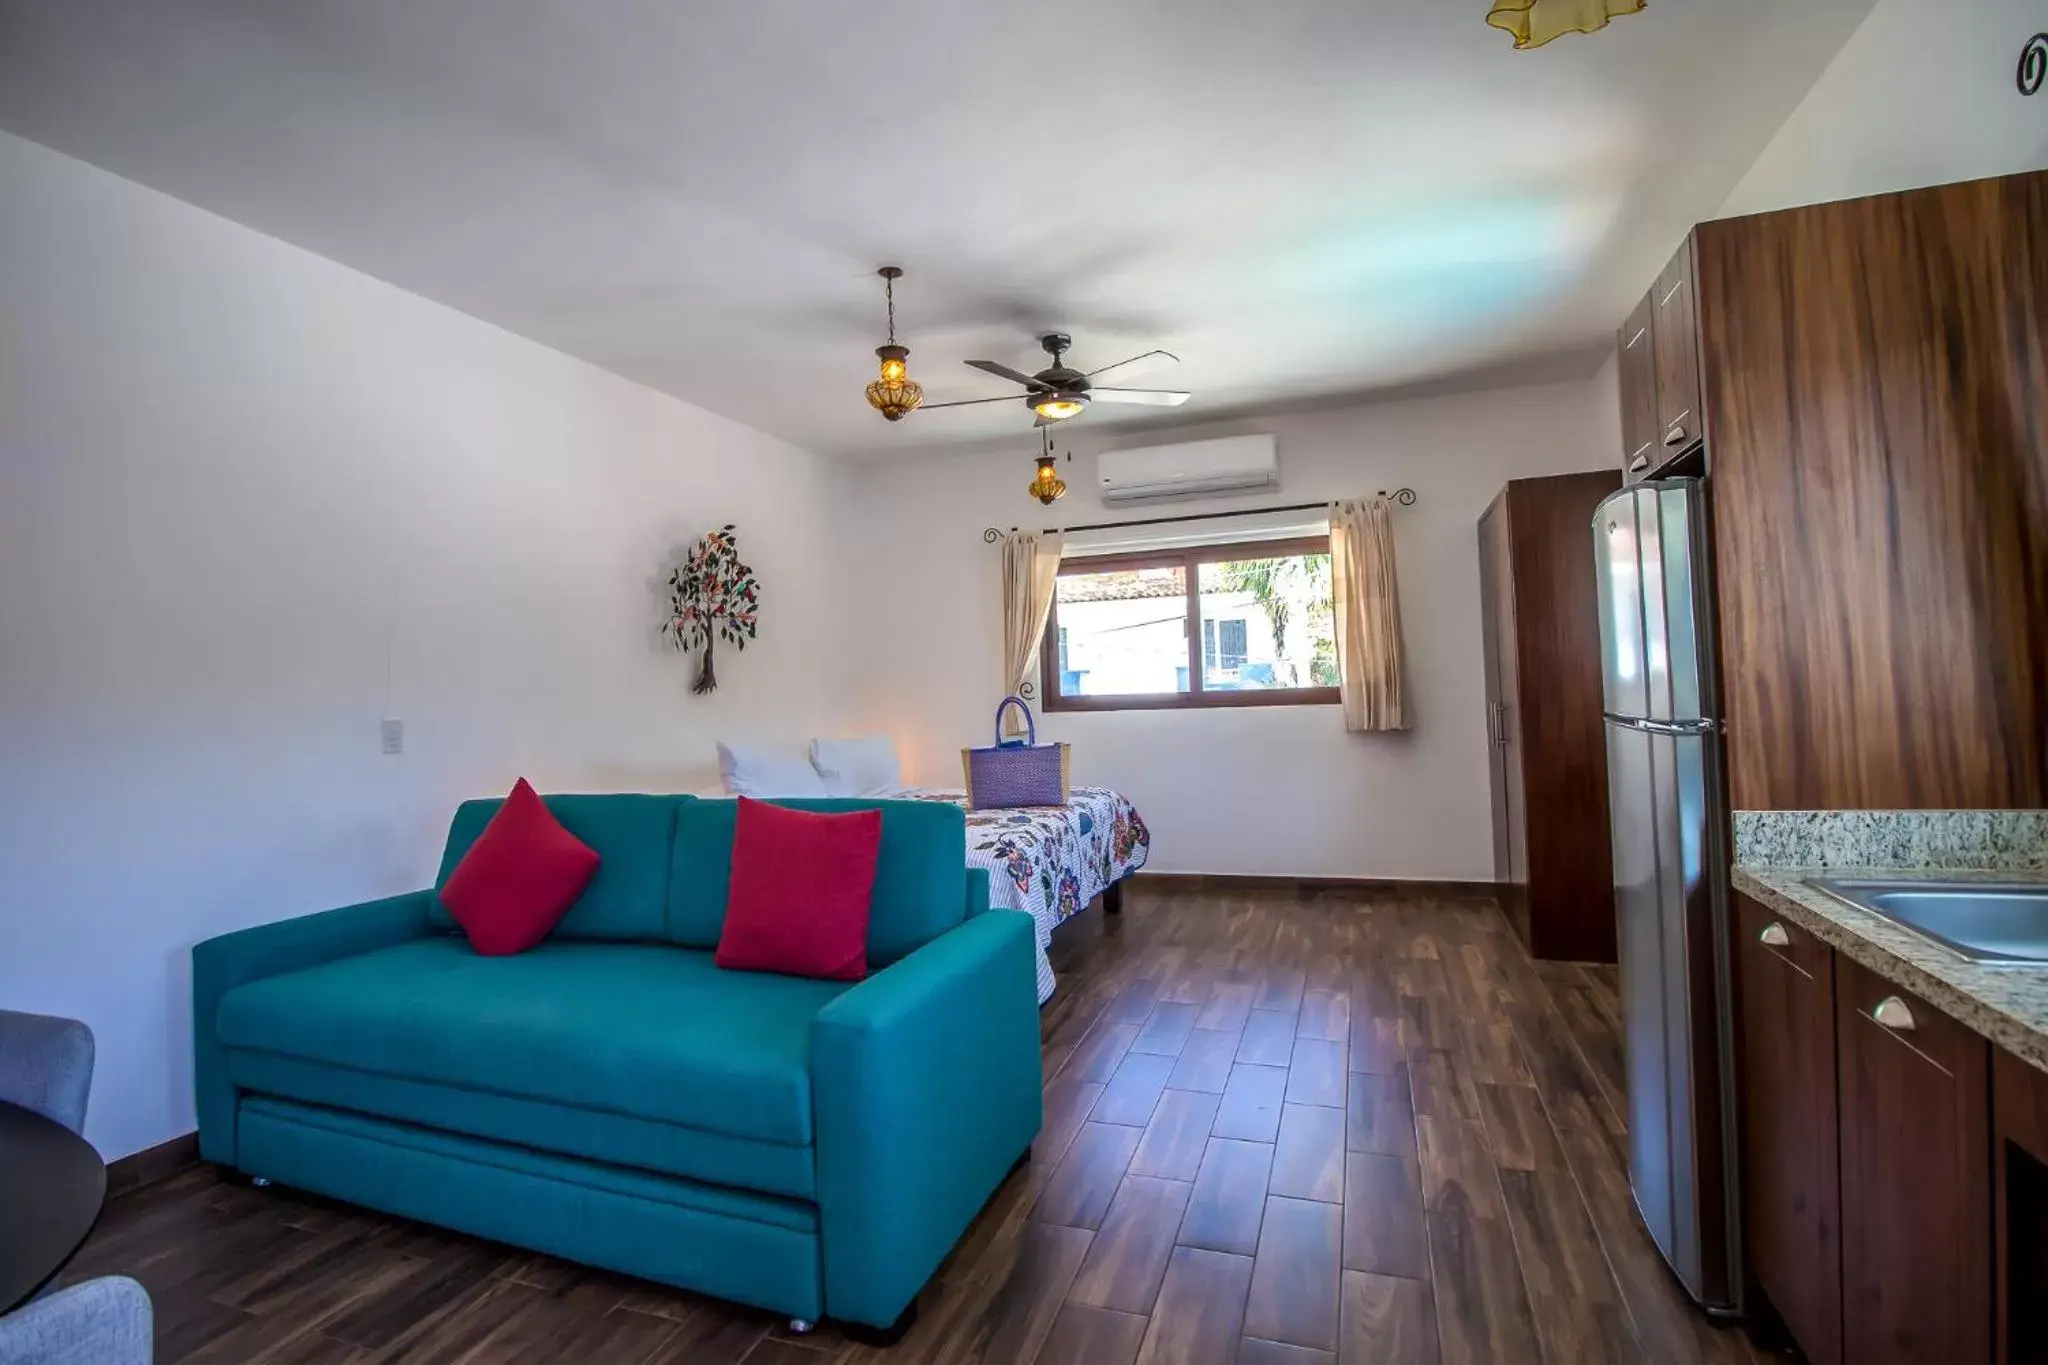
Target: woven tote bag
[1015, 772]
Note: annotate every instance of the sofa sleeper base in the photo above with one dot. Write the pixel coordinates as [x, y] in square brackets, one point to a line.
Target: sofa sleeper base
[713, 1240]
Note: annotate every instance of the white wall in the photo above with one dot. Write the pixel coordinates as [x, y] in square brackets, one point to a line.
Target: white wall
[1922, 94]
[253, 501]
[1279, 790]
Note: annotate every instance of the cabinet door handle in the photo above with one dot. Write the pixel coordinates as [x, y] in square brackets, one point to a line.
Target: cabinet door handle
[1774, 936]
[1671, 293]
[1641, 461]
[1500, 724]
[1675, 436]
[1641, 332]
[1893, 1014]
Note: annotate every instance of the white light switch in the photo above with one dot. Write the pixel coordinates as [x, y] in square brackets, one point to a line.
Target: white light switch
[394, 736]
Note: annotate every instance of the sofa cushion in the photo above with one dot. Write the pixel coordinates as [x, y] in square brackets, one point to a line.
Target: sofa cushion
[651, 1031]
[802, 881]
[631, 834]
[519, 878]
[920, 873]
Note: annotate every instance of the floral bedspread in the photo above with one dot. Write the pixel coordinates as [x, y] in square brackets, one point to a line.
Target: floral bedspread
[1051, 860]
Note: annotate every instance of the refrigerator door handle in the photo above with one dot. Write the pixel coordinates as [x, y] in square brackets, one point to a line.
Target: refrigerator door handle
[1664, 727]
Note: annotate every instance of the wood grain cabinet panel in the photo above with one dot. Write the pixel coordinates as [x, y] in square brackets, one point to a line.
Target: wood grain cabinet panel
[1675, 344]
[1875, 371]
[2019, 1206]
[1791, 1163]
[1636, 370]
[1916, 1178]
[1552, 848]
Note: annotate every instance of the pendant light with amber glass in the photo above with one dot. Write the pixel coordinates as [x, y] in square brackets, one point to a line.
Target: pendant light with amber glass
[895, 395]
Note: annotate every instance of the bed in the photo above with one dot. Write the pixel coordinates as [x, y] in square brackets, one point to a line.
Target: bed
[1052, 860]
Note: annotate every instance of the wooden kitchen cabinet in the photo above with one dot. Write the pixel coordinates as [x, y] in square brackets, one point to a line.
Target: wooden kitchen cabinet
[1860, 382]
[2019, 1207]
[1675, 340]
[1792, 1194]
[1915, 1177]
[1637, 372]
[1873, 381]
[1658, 368]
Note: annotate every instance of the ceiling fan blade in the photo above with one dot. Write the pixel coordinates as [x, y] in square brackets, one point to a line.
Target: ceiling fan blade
[1014, 376]
[1136, 364]
[1157, 398]
[968, 402]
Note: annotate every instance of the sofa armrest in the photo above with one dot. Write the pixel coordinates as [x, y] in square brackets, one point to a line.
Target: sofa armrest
[221, 964]
[926, 1084]
[977, 891]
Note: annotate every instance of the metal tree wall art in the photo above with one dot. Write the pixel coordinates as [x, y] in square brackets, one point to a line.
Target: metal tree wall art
[712, 596]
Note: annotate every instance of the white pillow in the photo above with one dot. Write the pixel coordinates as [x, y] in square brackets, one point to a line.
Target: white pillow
[866, 766]
[765, 772]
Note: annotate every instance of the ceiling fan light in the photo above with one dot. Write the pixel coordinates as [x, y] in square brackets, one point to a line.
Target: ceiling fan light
[1056, 407]
[1048, 487]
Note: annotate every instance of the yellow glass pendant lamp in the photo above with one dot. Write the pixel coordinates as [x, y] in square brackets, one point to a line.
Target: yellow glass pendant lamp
[1536, 22]
[895, 394]
[1048, 487]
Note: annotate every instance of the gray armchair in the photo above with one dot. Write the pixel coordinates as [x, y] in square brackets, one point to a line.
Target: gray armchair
[46, 1065]
[101, 1322]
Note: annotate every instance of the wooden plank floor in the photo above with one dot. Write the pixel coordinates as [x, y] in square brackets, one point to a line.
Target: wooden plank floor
[1313, 1129]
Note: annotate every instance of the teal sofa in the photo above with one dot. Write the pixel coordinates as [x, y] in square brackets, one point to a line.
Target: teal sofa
[810, 1147]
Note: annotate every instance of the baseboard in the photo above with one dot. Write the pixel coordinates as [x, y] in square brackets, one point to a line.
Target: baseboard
[152, 1164]
[1239, 882]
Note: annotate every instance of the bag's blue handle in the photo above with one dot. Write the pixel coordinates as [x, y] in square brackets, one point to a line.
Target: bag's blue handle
[1030, 726]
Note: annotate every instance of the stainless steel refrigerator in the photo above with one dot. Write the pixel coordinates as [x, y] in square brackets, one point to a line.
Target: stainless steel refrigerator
[1669, 813]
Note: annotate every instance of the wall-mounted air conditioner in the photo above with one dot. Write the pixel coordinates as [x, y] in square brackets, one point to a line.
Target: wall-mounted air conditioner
[1192, 469]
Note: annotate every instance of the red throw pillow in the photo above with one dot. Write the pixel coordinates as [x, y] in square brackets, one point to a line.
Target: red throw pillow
[519, 878]
[801, 886]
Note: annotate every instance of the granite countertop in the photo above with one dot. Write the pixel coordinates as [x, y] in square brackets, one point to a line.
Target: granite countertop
[2008, 1005]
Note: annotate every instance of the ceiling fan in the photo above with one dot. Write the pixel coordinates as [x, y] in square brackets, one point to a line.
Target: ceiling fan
[1058, 391]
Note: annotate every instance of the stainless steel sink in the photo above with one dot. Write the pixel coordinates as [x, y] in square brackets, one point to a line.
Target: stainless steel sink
[1990, 923]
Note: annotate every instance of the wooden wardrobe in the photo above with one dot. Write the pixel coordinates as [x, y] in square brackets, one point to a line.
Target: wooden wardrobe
[1546, 741]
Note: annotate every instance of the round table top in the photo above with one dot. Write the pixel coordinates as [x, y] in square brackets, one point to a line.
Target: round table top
[52, 1185]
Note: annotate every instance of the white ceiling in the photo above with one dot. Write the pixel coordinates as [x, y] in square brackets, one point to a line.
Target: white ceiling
[1305, 199]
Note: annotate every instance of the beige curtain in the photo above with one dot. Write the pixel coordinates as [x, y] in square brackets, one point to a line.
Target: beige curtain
[1367, 604]
[1031, 564]
[1536, 22]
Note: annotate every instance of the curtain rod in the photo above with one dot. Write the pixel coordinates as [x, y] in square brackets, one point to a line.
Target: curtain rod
[1404, 497]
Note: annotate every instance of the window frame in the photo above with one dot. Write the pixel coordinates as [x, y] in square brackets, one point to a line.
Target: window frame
[1189, 560]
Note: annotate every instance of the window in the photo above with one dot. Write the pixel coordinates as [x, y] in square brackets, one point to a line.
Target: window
[1223, 645]
[1213, 625]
